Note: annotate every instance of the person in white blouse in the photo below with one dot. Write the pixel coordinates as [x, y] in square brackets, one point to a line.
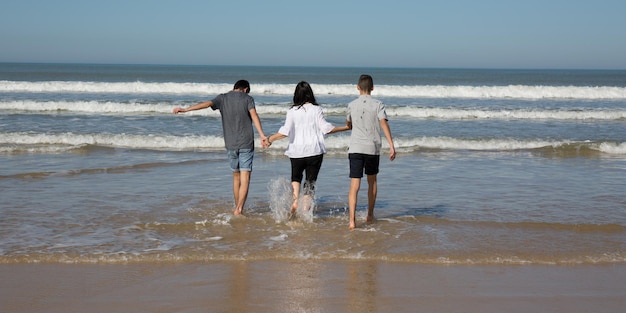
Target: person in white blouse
[305, 126]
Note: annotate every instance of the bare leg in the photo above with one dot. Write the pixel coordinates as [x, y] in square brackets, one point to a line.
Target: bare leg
[355, 184]
[240, 190]
[295, 187]
[307, 201]
[236, 184]
[307, 198]
[372, 190]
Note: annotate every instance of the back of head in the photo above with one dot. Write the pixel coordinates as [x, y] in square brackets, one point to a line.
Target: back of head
[366, 83]
[303, 94]
[242, 85]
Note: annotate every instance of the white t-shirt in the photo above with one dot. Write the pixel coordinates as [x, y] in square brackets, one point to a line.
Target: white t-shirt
[305, 126]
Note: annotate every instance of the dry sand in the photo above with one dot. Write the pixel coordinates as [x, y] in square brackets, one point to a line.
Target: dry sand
[311, 286]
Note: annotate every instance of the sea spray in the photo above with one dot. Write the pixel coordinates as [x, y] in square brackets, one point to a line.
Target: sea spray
[281, 199]
[306, 205]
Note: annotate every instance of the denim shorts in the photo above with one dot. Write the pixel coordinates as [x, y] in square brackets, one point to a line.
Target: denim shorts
[240, 159]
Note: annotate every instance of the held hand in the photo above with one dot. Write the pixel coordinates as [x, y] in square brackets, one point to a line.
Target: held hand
[265, 142]
[178, 110]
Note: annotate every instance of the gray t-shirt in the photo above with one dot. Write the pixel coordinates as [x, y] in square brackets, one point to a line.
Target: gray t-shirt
[235, 109]
[365, 114]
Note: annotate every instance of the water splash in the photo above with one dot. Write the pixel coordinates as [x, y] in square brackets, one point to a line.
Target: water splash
[281, 199]
[306, 204]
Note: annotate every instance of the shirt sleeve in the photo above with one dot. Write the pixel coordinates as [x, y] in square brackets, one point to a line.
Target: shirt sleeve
[251, 104]
[348, 114]
[217, 102]
[324, 125]
[382, 114]
[287, 128]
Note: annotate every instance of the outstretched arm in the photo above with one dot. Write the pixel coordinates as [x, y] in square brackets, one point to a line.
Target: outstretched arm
[199, 106]
[384, 124]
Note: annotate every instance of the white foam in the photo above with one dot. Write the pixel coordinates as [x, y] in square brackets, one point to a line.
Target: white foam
[279, 188]
[414, 91]
[155, 142]
[99, 107]
[447, 143]
[523, 114]
[203, 222]
[612, 147]
[165, 108]
[281, 237]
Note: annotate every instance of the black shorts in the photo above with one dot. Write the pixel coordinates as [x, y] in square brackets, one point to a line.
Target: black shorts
[360, 163]
[311, 165]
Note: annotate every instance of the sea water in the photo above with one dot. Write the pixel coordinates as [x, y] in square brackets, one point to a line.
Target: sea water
[493, 166]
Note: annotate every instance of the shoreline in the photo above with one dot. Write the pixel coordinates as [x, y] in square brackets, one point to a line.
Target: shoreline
[311, 286]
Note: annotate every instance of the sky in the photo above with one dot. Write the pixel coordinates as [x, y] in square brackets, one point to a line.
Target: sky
[551, 34]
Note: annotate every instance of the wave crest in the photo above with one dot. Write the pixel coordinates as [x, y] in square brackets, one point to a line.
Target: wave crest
[50, 143]
[408, 91]
[123, 108]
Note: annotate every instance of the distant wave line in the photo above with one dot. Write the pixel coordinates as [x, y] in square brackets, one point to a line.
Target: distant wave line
[120, 108]
[406, 91]
[55, 143]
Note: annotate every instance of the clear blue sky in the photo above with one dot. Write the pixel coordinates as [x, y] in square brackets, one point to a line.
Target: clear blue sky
[437, 33]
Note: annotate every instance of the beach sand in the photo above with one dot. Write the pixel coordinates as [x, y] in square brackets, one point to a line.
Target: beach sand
[311, 286]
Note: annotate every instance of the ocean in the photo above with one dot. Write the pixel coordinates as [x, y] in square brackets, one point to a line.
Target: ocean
[494, 166]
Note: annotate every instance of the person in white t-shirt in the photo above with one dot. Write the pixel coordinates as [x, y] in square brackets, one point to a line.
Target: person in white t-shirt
[305, 126]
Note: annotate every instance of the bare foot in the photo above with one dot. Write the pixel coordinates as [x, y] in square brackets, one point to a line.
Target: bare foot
[369, 218]
[352, 225]
[238, 211]
[294, 205]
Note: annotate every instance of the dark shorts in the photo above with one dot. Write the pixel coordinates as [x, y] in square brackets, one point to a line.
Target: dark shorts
[360, 163]
[311, 165]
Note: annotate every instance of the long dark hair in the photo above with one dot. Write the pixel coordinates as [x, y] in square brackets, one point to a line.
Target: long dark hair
[303, 94]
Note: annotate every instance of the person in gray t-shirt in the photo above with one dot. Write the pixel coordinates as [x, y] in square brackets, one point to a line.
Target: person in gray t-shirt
[367, 117]
[238, 114]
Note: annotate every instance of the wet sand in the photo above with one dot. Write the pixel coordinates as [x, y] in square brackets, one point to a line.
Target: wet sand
[311, 286]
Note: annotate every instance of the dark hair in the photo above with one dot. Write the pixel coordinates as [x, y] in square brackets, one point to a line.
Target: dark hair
[366, 83]
[242, 85]
[303, 94]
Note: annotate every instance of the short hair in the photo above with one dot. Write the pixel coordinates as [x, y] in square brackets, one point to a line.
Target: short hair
[366, 83]
[242, 85]
[303, 94]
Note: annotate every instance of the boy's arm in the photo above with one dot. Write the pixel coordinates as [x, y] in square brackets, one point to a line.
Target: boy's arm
[337, 129]
[201, 105]
[257, 123]
[384, 124]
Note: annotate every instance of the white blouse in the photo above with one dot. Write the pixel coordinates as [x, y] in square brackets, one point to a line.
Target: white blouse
[305, 126]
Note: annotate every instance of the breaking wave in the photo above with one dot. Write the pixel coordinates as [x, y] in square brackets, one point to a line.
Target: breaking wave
[407, 91]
